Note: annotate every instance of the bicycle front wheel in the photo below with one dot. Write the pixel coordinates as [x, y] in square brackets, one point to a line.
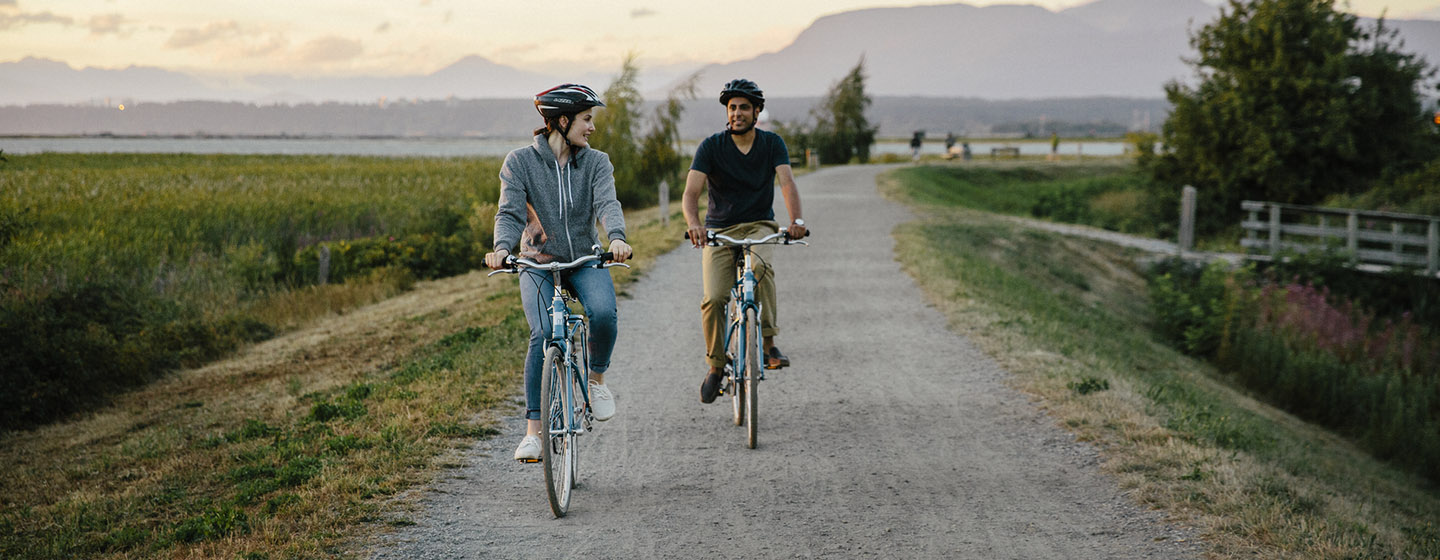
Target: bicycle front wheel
[557, 447]
[752, 377]
[736, 337]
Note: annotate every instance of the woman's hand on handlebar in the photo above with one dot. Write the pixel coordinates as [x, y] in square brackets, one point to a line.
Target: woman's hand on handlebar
[496, 259]
[621, 250]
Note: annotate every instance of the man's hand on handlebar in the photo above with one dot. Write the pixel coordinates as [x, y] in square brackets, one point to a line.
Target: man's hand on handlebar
[796, 231]
[696, 235]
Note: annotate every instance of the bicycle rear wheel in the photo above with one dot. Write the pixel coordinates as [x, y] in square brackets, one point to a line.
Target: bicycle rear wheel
[752, 377]
[557, 447]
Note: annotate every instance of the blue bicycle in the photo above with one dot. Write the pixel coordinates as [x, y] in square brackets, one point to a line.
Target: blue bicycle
[743, 344]
[564, 381]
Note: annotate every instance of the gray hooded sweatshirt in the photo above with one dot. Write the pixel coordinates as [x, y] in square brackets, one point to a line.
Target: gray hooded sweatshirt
[550, 210]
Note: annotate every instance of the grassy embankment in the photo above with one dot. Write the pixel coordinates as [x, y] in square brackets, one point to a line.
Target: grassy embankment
[286, 449]
[1070, 319]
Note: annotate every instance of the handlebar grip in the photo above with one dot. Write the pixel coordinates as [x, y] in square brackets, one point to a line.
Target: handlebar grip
[605, 257]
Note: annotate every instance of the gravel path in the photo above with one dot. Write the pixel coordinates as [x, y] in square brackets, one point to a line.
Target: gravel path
[890, 437]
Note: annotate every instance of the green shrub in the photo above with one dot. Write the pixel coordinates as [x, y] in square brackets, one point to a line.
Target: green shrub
[1310, 352]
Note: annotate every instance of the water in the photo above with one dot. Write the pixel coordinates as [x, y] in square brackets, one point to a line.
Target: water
[441, 147]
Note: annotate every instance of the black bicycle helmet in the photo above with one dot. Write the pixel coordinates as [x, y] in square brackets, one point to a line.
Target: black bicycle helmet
[566, 99]
[743, 87]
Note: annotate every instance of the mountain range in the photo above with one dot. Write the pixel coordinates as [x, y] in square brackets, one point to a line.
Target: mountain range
[1117, 48]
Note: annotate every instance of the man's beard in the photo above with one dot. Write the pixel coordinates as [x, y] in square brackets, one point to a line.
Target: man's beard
[733, 131]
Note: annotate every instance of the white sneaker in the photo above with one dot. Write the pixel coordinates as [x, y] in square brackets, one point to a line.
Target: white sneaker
[529, 449]
[602, 401]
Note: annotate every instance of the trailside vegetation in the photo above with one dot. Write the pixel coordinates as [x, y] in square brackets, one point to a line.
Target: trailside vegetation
[1322, 356]
[840, 132]
[116, 268]
[1294, 101]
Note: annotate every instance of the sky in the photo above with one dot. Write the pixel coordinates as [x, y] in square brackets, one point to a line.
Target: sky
[399, 37]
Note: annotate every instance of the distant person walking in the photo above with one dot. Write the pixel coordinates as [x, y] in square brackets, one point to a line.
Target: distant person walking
[915, 141]
[1054, 146]
[965, 151]
[949, 145]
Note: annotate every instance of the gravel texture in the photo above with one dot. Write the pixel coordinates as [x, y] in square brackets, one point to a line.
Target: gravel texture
[889, 437]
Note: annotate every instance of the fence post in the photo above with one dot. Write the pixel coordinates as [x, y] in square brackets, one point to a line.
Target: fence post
[1187, 219]
[812, 159]
[1432, 245]
[1274, 231]
[1352, 237]
[664, 203]
[324, 265]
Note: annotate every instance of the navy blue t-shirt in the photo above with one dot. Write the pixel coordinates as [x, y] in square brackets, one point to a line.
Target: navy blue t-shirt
[742, 186]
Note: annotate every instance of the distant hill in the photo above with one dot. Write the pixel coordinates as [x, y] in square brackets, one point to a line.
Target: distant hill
[1106, 48]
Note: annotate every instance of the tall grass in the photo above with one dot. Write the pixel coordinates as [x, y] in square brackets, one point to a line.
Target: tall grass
[1322, 357]
[114, 268]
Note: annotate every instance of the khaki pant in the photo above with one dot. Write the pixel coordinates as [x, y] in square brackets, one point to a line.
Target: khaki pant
[718, 273]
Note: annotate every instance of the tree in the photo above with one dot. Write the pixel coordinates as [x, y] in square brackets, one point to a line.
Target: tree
[1295, 102]
[660, 157]
[841, 130]
[614, 134]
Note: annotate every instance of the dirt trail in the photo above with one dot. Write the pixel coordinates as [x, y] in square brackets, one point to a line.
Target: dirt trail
[890, 437]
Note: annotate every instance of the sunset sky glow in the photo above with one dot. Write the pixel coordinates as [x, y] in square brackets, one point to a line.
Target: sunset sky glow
[344, 37]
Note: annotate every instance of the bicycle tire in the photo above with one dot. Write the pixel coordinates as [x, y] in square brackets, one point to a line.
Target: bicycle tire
[737, 385]
[752, 377]
[580, 353]
[556, 448]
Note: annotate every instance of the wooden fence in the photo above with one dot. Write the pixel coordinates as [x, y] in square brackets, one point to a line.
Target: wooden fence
[1384, 239]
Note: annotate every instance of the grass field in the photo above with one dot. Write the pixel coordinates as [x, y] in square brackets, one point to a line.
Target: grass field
[1070, 319]
[117, 266]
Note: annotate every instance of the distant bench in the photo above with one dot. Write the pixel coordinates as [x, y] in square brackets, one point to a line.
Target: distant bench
[1006, 151]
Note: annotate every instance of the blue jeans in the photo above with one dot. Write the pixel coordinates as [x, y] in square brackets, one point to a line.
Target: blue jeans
[596, 292]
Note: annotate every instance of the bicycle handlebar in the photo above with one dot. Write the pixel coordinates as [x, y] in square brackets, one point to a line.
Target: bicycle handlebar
[720, 240]
[513, 264]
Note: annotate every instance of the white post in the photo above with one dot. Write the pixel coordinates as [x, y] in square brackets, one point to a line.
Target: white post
[664, 203]
[1352, 237]
[1274, 231]
[324, 264]
[1187, 219]
[1433, 248]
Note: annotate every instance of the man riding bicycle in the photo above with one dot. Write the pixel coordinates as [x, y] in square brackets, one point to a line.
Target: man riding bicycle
[740, 167]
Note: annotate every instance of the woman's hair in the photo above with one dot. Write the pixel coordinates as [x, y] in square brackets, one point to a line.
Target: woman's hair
[552, 124]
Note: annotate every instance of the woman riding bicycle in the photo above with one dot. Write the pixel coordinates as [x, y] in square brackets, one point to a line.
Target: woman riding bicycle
[552, 194]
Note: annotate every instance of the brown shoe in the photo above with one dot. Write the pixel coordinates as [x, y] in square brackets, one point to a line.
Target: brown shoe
[710, 388]
[775, 360]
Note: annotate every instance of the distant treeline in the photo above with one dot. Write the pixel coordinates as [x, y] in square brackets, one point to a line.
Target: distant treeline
[895, 116]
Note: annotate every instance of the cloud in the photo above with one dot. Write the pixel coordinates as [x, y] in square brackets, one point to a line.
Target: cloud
[186, 38]
[18, 20]
[107, 23]
[330, 49]
[638, 13]
[383, 27]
